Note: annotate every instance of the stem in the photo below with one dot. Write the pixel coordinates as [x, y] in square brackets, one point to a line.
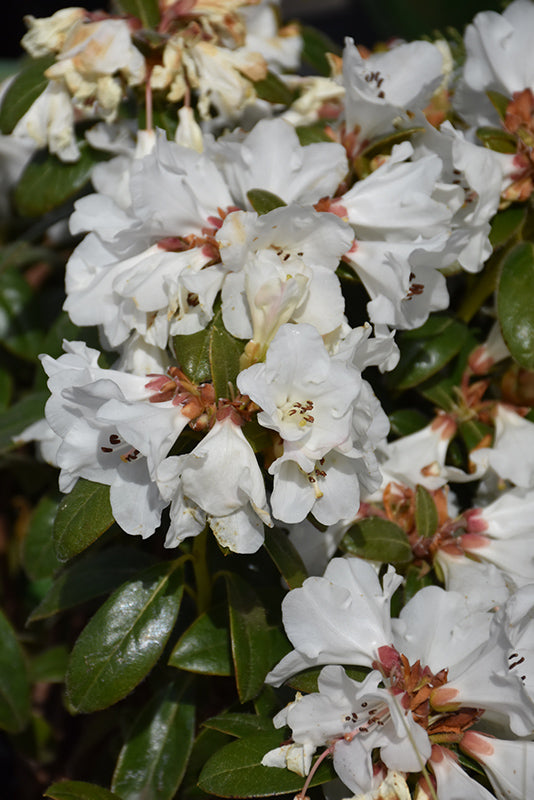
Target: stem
[482, 289]
[148, 102]
[202, 574]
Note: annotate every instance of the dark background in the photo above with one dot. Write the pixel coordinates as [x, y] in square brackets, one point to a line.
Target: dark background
[365, 20]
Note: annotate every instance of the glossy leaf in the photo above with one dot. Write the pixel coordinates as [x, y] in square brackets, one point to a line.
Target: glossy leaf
[14, 686]
[240, 725]
[414, 580]
[274, 90]
[236, 770]
[286, 557]
[426, 350]
[153, 760]
[256, 645]
[40, 560]
[47, 182]
[83, 516]
[406, 421]
[124, 639]
[79, 790]
[506, 224]
[515, 303]
[315, 47]
[311, 134]
[211, 354]
[206, 744]
[497, 139]
[95, 575]
[263, 201]
[205, 646]
[19, 416]
[145, 10]
[378, 540]
[426, 513]
[23, 91]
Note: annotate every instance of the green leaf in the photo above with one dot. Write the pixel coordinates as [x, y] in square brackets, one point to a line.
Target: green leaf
[285, 556]
[315, 47]
[79, 790]
[211, 354]
[205, 646]
[256, 645]
[426, 513]
[20, 416]
[23, 91]
[515, 303]
[124, 639]
[95, 575]
[18, 331]
[500, 102]
[83, 516]
[240, 725]
[311, 134]
[473, 432]
[274, 90]
[426, 350]
[263, 201]
[14, 686]
[506, 224]
[145, 10]
[153, 760]
[6, 388]
[236, 770]
[38, 552]
[406, 421]
[50, 666]
[498, 140]
[414, 580]
[378, 540]
[47, 182]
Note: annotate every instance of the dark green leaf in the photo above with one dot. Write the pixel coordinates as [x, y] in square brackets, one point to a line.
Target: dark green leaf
[515, 303]
[206, 744]
[378, 540]
[124, 639]
[505, 224]
[263, 201]
[50, 666]
[426, 513]
[145, 10]
[47, 182]
[154, 757]
[406, 421]
[236, 770]
[205, 646]
[267, 703]
[414, 580]
[306, 682]
[79, 790]
[211, 354]
[240, 725]
[286, 558]
[83, 516]
[311, 134]
[23, 91]
[14, 686]
[20, 416]
[256, 645]
[473, 432]
[426, 350]
[500, 102]
[95, 575]
[315, 47]
[38, 552]
[274, 90]
[18, 329]
[21, 253]
[498, 140]
[225, 352]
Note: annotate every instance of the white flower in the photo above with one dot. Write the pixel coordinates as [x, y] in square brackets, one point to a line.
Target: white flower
[452, 781]
[512, 453]
[283, 270]
[221, 477]
[383, 87]
[509, 764]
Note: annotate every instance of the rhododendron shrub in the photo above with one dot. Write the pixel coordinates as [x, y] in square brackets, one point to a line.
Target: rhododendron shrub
[267, 371]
